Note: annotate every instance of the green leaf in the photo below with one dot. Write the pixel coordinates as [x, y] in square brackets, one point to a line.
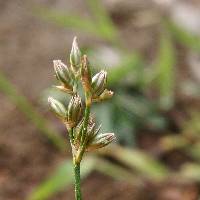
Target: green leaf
[103, 20]
[182, 36]
[165, 72]
[137, 160]
[101, 27]
[62, 178]
[128, 66]
[115, 171]
[30, 112]
[68, 21]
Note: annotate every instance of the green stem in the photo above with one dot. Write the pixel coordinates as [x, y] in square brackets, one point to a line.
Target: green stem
[85, 123]
[77, 181]
[78, 157]
[71, 136]
[84, 132]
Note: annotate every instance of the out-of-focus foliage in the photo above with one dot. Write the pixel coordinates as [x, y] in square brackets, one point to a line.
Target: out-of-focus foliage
[166, 72]
[61, 179]
[139, 163]
[182, 36]
[31, 113]
[106, 29]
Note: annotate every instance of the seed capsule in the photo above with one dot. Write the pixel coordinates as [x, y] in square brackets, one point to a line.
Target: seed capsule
[92, 131]
[101, 140]
[63, 74]
[75, 56]
[57, 107]
[86, 74]
[99, 83]
[74, 112]
[107, 94]
[64, 89]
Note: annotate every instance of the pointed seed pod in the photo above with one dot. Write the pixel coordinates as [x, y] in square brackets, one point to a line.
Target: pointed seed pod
[92, 133]
[107, 94]
[77, 134]
[63, 74]
[74, 112]
[64, 89]
[58, 108]
[75, 56]
[101, 140]
[86, 74]
[99, 83]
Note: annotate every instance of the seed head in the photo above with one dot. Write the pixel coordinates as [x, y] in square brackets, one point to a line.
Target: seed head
[58, 108]
[75, 56]
[74, 112]
[86, 74]
[107, 94]
[101, 140]
[63, 74]
[99, 83]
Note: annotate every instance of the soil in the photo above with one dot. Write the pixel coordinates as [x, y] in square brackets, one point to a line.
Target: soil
[28, 45]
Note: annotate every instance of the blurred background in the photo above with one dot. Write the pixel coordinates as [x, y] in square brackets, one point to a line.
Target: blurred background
[151, 50]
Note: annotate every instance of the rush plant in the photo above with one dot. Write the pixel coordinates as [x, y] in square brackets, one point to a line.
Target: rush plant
[83, 134]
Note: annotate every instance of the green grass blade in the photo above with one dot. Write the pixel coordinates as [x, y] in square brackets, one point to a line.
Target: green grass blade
[129, 65]
[62, 178]
[67, 20]
[103, 20]
[182, 36]
[115, 171]
[139, 161]
[30, 112]
[166, 72]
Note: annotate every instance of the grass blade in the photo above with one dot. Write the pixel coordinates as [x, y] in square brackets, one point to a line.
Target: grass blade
[165, 72]
[182, 36]
[128, 66]
[30, 112]
[139, 161]
[103, 21]
[68, 21]
[61, 179]
[115, 171]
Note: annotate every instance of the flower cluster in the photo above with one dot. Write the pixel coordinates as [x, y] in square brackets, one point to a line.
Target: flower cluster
[84, 136]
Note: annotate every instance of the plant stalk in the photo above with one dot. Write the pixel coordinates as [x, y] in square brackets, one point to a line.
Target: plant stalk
[77, 177]
[84, 132]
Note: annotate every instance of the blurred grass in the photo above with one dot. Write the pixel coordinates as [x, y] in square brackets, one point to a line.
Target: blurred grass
[165, 70]
[141, 166]
[101, 25]
[24, 105]
[139, 161]
[103, 21]
[128, 65]
[61, 179]
[182, 36]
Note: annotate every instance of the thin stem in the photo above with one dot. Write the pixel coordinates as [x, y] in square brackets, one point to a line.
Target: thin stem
[77, 177]
[71, 136]
[85, 125]
[78, 155]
